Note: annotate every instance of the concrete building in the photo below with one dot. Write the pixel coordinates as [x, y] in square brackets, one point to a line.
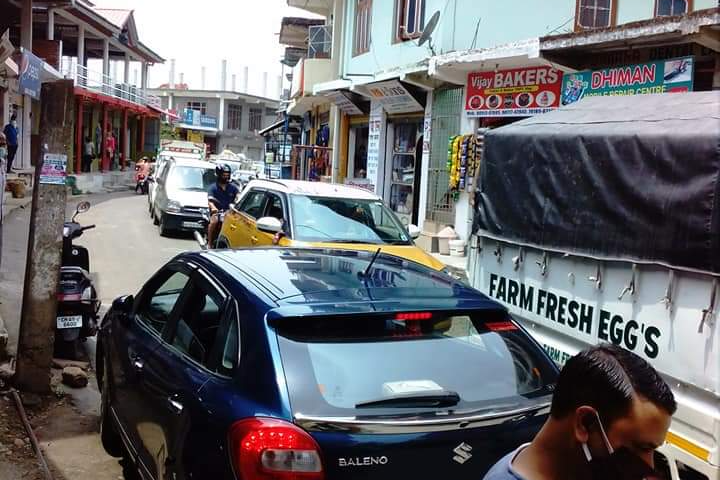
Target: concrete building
[221, 119]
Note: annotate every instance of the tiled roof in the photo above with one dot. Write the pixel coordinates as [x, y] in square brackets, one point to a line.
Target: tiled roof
[116, 16]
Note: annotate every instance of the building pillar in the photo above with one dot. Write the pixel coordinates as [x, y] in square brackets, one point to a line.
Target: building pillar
[104, 159]
[144, 75]
[141, 134]
[51, 24]
[79, 140]
[336, 126]
[26, 36]
[221, 116]
[126, 72]
[81, 45]
[124, 139]
[26, 25]
[106, 57]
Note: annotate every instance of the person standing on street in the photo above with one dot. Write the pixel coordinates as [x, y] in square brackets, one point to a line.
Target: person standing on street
[88, 154]
[221, 194]
[109, 150]
[610, 411]
[3, 180]
[11, 136]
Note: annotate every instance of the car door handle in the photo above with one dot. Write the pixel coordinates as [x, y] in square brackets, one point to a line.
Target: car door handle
[233, 226]
[175, 405]
[254, 239]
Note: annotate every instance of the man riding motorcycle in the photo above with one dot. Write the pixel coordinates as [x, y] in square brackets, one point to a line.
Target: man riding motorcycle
[221, 195]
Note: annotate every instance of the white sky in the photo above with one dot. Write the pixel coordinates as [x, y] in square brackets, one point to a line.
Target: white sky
[197, 33]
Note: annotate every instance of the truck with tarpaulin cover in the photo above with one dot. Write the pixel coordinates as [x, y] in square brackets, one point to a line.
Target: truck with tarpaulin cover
[600, 222]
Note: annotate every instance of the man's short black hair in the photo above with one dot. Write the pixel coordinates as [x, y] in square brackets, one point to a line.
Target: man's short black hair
[606, 377]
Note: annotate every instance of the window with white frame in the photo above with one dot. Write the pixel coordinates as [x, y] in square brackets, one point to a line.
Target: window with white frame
[198, 106]
[594, 13]
[234, 120]
[667, 8]
[256, 119]
[410, 19]
[363, 23]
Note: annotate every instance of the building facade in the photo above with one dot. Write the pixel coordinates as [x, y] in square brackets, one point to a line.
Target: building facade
[410, 75]
[222, 120]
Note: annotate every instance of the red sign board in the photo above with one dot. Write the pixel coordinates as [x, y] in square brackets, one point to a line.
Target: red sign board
[520, 92]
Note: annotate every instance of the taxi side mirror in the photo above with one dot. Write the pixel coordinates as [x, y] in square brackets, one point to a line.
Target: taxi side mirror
[414, 231]
[269, 225]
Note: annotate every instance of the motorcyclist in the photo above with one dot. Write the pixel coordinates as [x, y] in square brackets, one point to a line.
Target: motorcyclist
[221, 195]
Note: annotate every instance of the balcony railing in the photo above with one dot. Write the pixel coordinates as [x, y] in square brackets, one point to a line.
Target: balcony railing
[106, 85]
[320, 41]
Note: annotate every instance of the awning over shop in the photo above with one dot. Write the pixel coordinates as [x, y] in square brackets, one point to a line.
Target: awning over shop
[198, 128]
[344, 101]
[272, 127]
[170, 115]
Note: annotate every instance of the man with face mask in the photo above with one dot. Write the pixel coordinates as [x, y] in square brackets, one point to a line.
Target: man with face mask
[220, 195]
[610, 411]
[11, 136]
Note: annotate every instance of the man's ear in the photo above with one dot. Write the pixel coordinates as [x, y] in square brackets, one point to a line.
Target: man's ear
[584, 422]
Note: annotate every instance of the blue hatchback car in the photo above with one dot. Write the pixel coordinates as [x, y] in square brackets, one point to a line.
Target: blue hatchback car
[315, 364]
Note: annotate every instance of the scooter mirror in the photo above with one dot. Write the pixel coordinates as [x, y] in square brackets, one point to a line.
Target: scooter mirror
[82, 207]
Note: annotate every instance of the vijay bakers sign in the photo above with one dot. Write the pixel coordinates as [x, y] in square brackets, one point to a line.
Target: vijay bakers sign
[519, 92]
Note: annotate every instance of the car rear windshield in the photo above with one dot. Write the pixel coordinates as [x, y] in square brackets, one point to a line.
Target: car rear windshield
[409, 363]
[192, 178]
[345, 220]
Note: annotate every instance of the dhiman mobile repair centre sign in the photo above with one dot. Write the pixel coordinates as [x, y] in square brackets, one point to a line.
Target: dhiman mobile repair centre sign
[665, 76]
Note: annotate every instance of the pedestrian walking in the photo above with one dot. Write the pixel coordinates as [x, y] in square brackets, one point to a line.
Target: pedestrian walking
[3, 180]
[610, 411]
[11, 137]
[98, 139]
[109, 150]
[88, 154]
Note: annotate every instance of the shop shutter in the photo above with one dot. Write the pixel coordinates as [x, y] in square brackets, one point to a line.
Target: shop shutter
[446, 115]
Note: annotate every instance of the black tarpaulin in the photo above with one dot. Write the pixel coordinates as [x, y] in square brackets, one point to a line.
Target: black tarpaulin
[635, 177]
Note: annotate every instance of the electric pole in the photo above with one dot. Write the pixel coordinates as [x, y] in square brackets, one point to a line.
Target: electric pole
[42, 272]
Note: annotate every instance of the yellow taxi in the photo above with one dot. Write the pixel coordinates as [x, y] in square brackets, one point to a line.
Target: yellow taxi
[315, 214]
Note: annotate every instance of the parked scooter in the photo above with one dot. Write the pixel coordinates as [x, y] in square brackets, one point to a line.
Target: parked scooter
[78, 305]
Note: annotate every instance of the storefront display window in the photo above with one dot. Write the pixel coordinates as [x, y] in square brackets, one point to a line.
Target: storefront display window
[404, 164]
[358, 151]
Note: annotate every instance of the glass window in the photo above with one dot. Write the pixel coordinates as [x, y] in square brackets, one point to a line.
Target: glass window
[594, 13]
[256, 119]
[192, 178]
[360, 136]
[410, 19]
[230, 352]
[363, 24]
[198, 325]
[274, 207]
[344, 220]
[234, 117]
[198, 106]
[253, 203]
[156, 310]
[671, 7]
[357, 365]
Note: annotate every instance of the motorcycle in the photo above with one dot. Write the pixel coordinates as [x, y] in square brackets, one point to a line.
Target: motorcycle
[201, 238]
[78, 304]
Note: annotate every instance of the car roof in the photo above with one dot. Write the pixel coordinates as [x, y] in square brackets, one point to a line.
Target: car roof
[315, 189]
[329, 279]
[189, 162]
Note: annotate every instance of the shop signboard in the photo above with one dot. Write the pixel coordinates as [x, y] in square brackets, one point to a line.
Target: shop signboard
[29, 81]
[343, 103]
[519, 92]
[196, 119]
[375, 123]
[393, 97]
[664, 76]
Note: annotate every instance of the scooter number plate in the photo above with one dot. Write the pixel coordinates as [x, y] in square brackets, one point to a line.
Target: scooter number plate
[74, 321]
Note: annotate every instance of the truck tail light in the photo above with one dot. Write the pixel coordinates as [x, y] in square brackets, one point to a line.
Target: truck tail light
[271, 449]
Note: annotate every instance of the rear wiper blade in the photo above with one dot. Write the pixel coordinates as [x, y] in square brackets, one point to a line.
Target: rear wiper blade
[438, 399]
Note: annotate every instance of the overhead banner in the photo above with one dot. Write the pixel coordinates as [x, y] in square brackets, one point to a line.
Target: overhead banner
[664, 76]
[520, 92]
[393, 96]
[30, 68]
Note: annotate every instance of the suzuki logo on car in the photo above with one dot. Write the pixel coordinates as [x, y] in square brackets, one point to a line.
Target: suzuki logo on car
[462, 453]
[362, 461]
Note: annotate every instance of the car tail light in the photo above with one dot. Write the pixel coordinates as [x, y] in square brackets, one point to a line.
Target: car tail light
[501, 326]
[270, 449]
[413, 316]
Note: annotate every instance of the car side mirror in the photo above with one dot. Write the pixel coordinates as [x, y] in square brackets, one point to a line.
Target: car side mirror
[124, 305]
[269, 225]
[414, 231]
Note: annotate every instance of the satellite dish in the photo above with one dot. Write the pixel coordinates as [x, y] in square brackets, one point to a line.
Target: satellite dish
[429, 29]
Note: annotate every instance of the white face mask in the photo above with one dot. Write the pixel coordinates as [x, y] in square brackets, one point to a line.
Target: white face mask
[14, 123]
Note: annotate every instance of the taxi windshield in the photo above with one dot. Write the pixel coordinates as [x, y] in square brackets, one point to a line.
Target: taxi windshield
[345, 220]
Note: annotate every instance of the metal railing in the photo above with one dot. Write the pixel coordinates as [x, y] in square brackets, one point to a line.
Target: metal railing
[320, 41]
[107, 85]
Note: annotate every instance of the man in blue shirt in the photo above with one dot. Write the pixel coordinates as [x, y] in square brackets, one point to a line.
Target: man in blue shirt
[610, 411]
[221, 195]
[11, 136]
